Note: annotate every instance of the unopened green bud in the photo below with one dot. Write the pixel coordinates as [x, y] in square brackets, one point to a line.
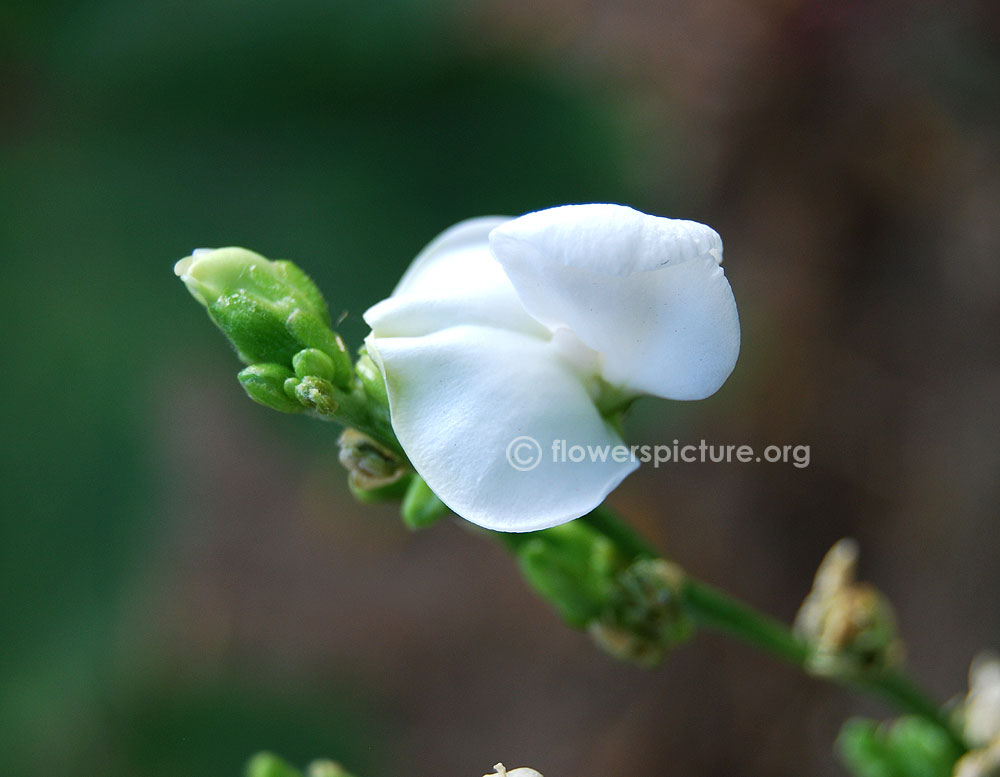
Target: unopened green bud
[256, 330]
[314, 393]
[270, 765]
[313, 332]
[313, 361]
[371, 465]
[372, 381]
[265, 384]
[213, 273]
[572, 566]
[908, 746]
[421, 506]
[269, 310]
[645, 616]
[326, 769]
[922, 747]
[863, 750]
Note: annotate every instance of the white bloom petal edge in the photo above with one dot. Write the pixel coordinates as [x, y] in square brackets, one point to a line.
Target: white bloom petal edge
[647, 292]
[460, 396]
[453, 281]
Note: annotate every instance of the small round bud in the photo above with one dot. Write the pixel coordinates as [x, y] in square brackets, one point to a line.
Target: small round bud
[371, 379]
[316, 394]
[312, 361]
[265, 384]
[312, 332]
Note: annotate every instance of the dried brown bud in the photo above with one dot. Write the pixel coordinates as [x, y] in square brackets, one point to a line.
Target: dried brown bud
[848, 626]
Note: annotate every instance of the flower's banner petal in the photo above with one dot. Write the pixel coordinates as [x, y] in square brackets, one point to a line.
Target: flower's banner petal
[454, 280]
[648, 293]
[605, 239]
[460, 397]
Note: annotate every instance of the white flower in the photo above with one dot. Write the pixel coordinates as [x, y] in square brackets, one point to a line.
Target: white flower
[521, 771]
[981, 711]
[531, 328]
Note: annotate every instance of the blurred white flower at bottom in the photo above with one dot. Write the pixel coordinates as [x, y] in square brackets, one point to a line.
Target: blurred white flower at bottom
[521, 771]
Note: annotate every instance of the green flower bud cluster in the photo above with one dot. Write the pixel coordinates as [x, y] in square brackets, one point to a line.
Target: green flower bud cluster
[646, 616]
[270, 765]
[632, 610]
[279, 324]
[907, 747]
[573, 566]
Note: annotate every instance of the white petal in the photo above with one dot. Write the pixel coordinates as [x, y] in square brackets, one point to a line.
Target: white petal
[459, 398]
[648, 293]
[521, 771]
[454, 280]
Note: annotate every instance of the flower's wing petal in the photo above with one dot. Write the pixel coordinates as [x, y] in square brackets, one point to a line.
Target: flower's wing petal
[453, 260]
[454, 280]
[468, 401]
[648, 293]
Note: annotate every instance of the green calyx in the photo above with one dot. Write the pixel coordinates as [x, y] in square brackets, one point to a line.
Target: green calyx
[632, 610]
[646, 615]
[570, 565]
[421, 506]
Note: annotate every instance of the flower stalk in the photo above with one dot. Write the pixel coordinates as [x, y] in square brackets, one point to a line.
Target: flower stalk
[709, 608]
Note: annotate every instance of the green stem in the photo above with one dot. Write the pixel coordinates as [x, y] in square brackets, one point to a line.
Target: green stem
[354, 410]
[627, 540]
[713, 609]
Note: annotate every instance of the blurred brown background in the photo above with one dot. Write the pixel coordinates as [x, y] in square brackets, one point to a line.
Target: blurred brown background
[186, 579]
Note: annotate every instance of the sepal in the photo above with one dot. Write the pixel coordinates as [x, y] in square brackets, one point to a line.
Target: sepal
[421, 507]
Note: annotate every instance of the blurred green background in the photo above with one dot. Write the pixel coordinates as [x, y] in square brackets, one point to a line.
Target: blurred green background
[184, 577]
